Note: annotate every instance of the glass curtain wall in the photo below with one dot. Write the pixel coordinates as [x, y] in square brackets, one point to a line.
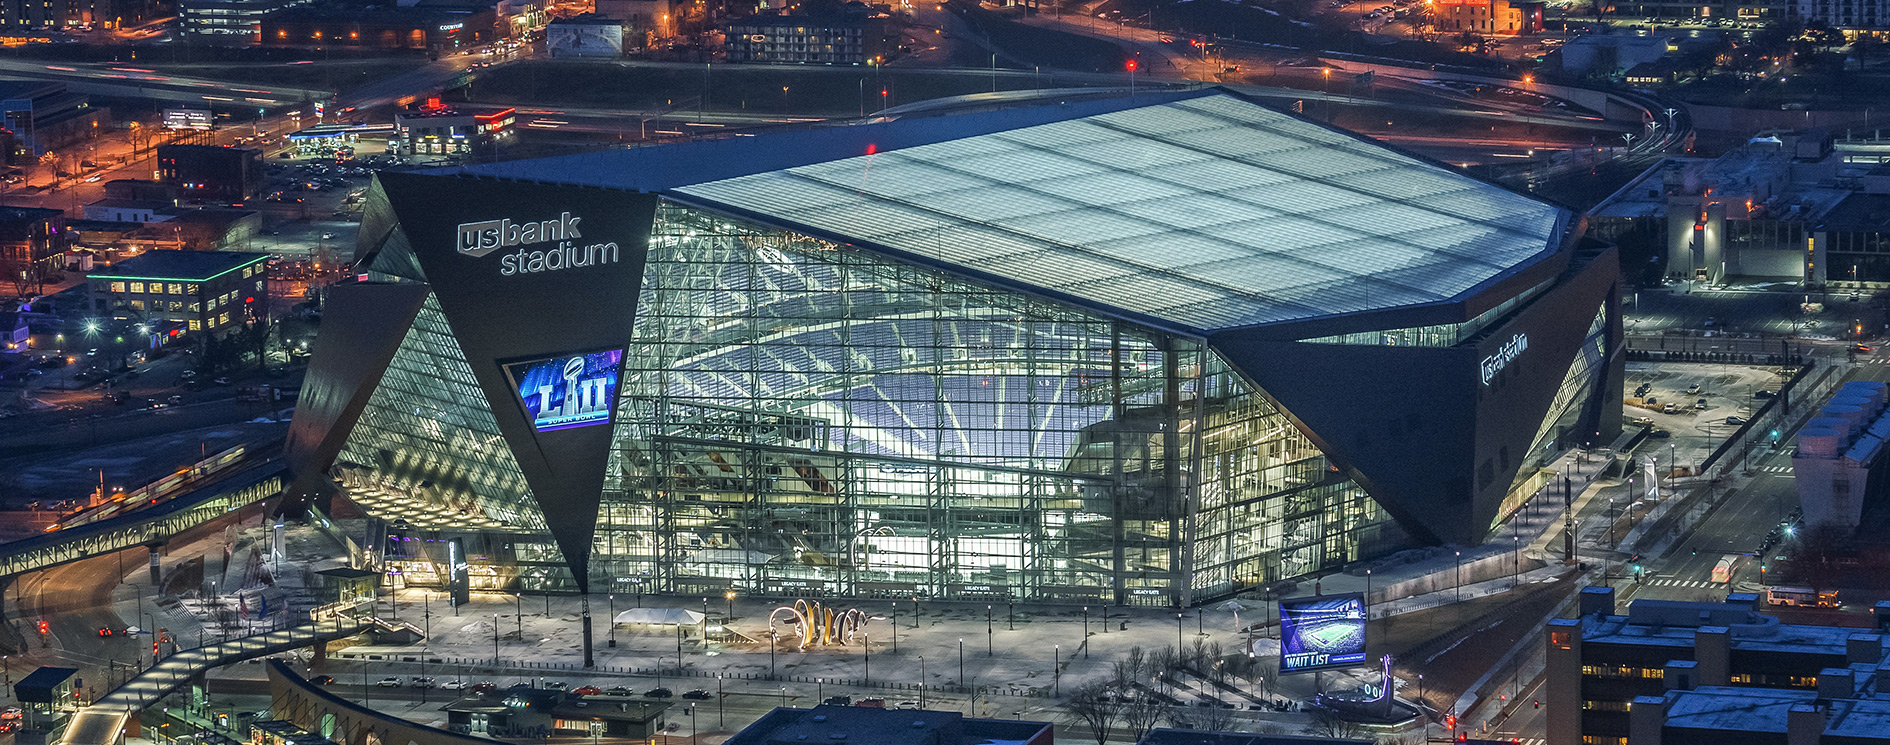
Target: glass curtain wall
[797, 417]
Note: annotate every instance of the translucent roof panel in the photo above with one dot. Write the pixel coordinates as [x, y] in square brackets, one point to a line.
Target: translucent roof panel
[1207, 212]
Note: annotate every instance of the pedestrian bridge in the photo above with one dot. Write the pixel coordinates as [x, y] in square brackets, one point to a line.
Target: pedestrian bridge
[156, 524]
[103, 721]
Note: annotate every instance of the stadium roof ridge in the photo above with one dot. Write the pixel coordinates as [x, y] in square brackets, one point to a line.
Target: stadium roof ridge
[1202, 209]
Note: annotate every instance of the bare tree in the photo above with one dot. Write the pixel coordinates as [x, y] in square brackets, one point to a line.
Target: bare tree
[1130, 669]
[1093, 707]
[1139, 714]
[1328, 723]
[1204, 718]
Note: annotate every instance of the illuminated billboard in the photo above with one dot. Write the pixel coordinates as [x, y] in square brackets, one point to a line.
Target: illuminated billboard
[568, 391]
[1322, 632]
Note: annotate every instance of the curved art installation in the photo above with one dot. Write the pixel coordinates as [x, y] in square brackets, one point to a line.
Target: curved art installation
[817, 625]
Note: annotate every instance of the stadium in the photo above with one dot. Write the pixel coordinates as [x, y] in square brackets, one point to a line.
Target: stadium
[1145, 350]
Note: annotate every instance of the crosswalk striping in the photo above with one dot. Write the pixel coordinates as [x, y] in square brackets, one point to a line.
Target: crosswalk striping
[1676, 582]
[1776, 469]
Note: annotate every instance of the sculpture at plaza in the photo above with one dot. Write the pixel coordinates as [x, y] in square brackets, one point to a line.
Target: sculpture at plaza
[817, 625]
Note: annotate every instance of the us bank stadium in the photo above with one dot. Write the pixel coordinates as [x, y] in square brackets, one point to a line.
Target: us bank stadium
[1154, 350]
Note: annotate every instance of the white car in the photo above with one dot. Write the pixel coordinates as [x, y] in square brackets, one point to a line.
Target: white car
[453, 685]
[389, 682]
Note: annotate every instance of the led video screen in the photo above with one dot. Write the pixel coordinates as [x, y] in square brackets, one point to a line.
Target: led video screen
[567, 391]
[1322, 632]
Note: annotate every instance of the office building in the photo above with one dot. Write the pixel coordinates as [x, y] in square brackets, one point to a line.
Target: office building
[1487, 17]
[68, 14]
[1602, 668]
[212, 173]
[228, 22]
[435, 29]
[44, 116]
[32, 240]
[843, 39]
[1146, 350]
[1839, 466]
[209, 291]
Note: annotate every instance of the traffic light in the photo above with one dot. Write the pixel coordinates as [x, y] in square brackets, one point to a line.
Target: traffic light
[44, 628]
[154, 649]
[1130, 65]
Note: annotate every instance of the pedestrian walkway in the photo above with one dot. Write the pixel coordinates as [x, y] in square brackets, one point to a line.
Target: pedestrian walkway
[1775, 469]
[101, 722]
[1676, 582]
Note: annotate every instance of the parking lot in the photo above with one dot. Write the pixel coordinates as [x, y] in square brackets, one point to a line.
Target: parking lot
[1730, 393]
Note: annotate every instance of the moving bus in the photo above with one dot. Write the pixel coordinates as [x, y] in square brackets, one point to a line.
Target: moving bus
[1723, 571]
[1802, 597]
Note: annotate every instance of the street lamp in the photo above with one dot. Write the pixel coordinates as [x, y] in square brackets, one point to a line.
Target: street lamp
[1459, 576]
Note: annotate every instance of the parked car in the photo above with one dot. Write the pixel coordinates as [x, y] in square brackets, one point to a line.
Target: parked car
[697, 695]
[657, 693]
[618, 691]
[1693, 389]
[484, 686]
[1660, 434]
[453, 685]
[388, 682]
[555, 685]
[1735, 420]
[420, 681]
[908, 705]
[587, 690]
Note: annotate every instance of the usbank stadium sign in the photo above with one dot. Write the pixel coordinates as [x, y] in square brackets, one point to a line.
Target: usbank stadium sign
[1495, 363]
[477, 239]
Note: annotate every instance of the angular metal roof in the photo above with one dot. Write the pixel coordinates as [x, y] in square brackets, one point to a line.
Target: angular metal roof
[1209, 212]
[1202, 210]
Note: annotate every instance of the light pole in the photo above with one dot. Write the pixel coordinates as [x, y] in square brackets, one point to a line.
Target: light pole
[1177, 632]
[1085, 632]
[989, 633]
[866, 652]
[495, 640]
[895, 626]
[1459, 576]
[1056, 670]
[961, 661]
[613, 621]
[729, 613]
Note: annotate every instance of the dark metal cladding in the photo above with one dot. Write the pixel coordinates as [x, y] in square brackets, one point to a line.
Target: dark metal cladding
[542, 310]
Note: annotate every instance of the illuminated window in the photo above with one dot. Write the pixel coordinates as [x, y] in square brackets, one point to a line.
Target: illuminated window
[137, 287]
[174, 288]
[196, 325]
[137, 305]
[223, 319]
[118, 287]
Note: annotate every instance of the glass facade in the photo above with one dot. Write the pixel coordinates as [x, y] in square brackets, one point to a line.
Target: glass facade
[1557, 433]
[798, 417]
[425, 453]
